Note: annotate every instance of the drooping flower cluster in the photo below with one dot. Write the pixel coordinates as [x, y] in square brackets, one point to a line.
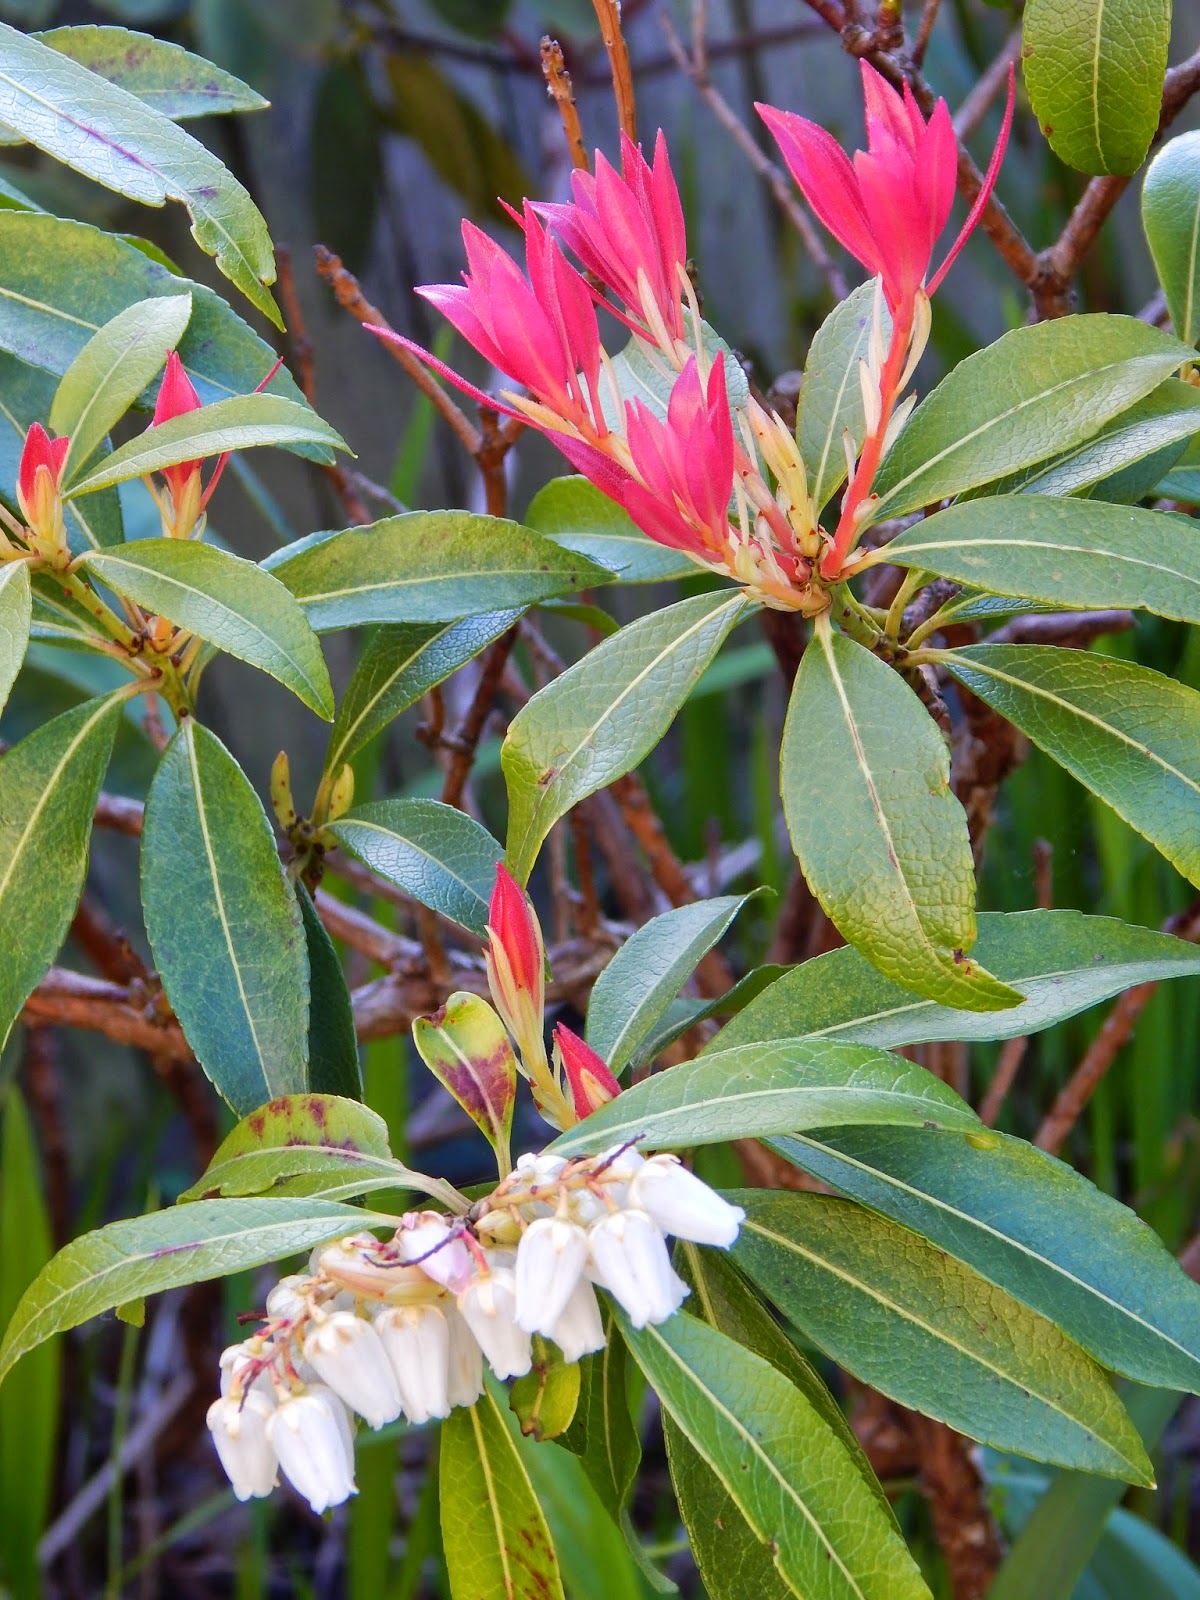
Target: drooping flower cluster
[726, 487]
[402, 1327]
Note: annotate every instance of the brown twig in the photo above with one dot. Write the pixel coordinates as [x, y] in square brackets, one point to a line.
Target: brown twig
[988, 89]
[695, 65]
[608, 15]
[1073, 630]
[929, 15]
[351, 298]
[1117, 1029]
[560, 90]
[470, 730]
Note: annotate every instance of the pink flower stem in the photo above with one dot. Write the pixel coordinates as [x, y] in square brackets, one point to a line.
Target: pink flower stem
[835, 556]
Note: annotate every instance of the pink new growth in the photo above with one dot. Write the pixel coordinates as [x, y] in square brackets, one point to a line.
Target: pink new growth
[176, 397]
[592, 1084]
[39, 453]
[513, 927]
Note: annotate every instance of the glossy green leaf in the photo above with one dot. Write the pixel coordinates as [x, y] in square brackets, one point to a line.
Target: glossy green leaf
[596, 1563]
[1071, 553]
[302, 1145]
[684, 1013]
[641, 374]
[1129, 734]
[1037, 391]
[185, 1244]
[1094, 70]
[831, 395]
[108, 134]
[29, 1411]
[110, 372]
[1033, 1226]
[891, 862]
[16, 613]
[1061, 961]
[1171, 220]
[631, 995]
[604, 714]
[333, 1065]
[223, 923]
[602, 1432]
[48, 788]
[1137, 439]
[1183, 480]
[576, 515]
[758, 1089]
[399, 663]
[242, 423]
[434, 852]
[544, 1399]
[467, 1048]
[60, 281]
[495, 1537]
[934, 1335]
[173, 81]
[427, 566]
[226, 601]
[791, 1478]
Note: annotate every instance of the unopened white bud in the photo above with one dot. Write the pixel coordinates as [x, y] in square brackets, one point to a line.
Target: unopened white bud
[346, 1353]
[488, 1305]
[630, 1260]
[288, 1300]
[441, 1254]
[417, 1341]
[310, 1434]
[239, 1430]
[550, 1262]
[580, 1329]
[681, 1204]
[351, 1247]
[465, 1383]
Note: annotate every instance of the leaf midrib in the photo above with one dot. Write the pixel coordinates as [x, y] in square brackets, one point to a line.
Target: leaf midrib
[998, 543]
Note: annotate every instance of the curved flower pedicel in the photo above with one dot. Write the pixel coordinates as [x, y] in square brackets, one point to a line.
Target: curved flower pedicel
[727, 489]
[888, 207]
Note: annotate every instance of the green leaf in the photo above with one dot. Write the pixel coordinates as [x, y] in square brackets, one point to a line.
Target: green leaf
[602, 1433]
[185, 1244]
[596, 1563]
[1171, 220]
[237, 424]
[173, 81]
[302, 1145]
[1037, 391]
[576, 515]
[225, 600]
[684, 1013]
[110, 372]
[1063, 962]
[434, 852]
[1071, 553]
[29, 1411]
[495, 1537]
[754, 1090]
[891, 862]
[1131, 735]
[333, 1066]
[1138, 438]
[641, 374]
[60, 281]
[223, 923]
[16, 613]
[399, 663]
[544, 1400]
[108, 134]
[1033, 1226]
[467, 1048]
[48, 788]
[633, 992]
[604, 714]
[831, 395]
[1094, 70]
[788, 1473]
[427, 566]
[932, 1334]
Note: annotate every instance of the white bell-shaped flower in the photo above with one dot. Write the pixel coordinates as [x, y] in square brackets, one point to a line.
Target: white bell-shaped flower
[465, 1383]
[489, 1307]
[239, 1430]
[237, 1362]
[417, 1341]
[352, 1246]
[629, 1258]
[310, 1434]
[433, 1245]
[346, 1353]
[550, 1261]
[579, 1329]
[682, 1205]
[289, 1298]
